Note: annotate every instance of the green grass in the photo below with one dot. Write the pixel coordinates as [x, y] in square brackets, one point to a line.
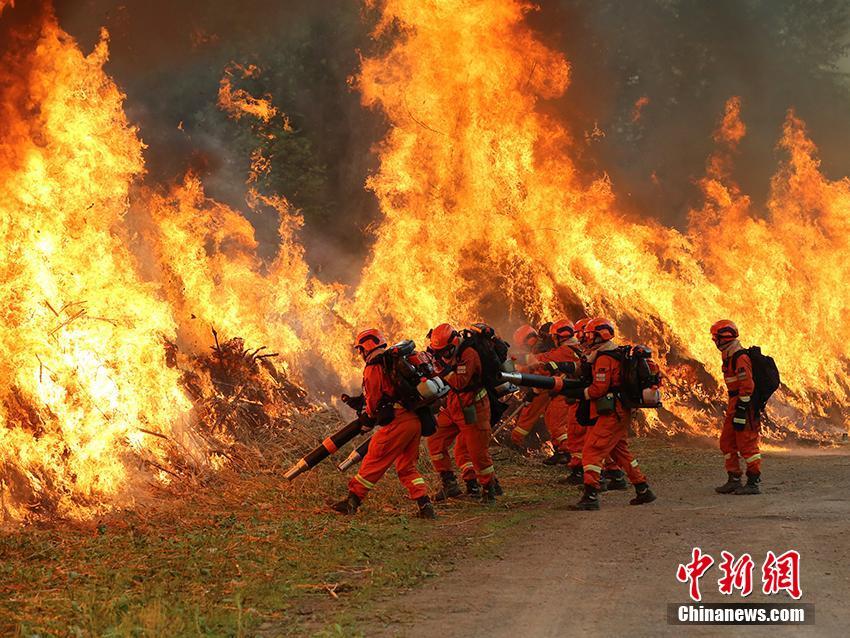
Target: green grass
[252, 555]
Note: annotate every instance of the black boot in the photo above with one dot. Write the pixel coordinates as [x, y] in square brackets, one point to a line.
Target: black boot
[488, 493]
[732, 483]
[426, 510]
[603, 484]
[473, 488]
[558, 458]
[575, 477]
[497, 487]
[589, 499]
[616, 479]
[751, 487]
[348, 506]
[642, 495]
[450, 487]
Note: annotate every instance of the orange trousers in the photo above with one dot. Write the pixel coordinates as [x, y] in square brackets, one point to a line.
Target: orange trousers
[737, 445]
[397, 442]
[575, 437]
[527, 417]
[475, 437]
[557, 419]
[440, 443]
[609, 439]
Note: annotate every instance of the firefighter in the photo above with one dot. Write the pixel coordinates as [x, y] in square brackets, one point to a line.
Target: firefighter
[397, 439]
[467, 405]
[739, 437]
[439, 446]
[608, 437]
[560, 412]
[527, 341]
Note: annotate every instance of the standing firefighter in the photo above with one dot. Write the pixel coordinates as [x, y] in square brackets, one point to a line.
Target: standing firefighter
[528, 343]
[608, 436]
[466, 415]
[397, 439]
[740, 434]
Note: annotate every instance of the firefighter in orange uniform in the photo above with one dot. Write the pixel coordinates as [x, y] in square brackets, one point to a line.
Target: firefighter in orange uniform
[397, 439]
[608, 437]
[563, 359]
[439, 449]
[527, 341]
[740, 434]
[467, 405]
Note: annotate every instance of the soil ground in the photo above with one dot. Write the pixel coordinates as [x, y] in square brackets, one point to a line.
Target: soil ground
[612, 572]
[252, 555]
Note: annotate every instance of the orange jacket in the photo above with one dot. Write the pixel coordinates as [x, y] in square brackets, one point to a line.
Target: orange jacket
[562, 354]
[606, 374]
[377, 387]
[465, 381]
[739, 381]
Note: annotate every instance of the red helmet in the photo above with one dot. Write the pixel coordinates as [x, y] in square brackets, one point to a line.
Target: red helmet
[526, 336]
[599, 330]
[444, 341]
[580, 325]
[562, 329]
[368, 341]
[723, 332]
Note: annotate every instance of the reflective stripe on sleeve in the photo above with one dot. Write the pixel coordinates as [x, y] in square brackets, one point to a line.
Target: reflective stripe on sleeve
[521, 431]
[562, 438]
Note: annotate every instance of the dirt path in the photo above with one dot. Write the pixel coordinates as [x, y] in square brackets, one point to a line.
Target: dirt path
[612, 572]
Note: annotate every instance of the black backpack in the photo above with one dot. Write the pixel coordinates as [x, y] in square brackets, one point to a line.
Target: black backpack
[765, 375]
[639, 377]
[493, 352]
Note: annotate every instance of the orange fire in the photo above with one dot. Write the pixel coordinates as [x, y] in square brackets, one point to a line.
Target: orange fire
[484, 216]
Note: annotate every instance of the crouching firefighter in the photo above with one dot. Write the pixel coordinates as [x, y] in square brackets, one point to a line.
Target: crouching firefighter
[560, 414]
[529, 345]
[608, 437]
[465, 417]
[739, 437]
[397, 439]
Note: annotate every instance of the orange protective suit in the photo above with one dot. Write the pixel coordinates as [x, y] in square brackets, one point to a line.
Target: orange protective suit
[468, 392]
[560, 414]
[528, 416]
[743, 443]
[397, 442]
[439, 447]
[608, 438]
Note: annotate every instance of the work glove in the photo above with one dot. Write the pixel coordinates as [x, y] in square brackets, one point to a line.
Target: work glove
[739, 420]
[366, 422]
[355, 403]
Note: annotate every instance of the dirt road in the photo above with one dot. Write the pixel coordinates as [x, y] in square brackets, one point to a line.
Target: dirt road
[612, 572]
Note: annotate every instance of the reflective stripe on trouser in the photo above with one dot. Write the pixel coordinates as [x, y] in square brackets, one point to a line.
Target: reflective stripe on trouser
[528, 416]
[476, 437]
[609, 439]
[556, 417]
[441, 442]
[397, 442]
[737, 444]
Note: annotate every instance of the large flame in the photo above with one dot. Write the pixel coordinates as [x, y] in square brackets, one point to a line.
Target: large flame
[484, 216]
[82, 365]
